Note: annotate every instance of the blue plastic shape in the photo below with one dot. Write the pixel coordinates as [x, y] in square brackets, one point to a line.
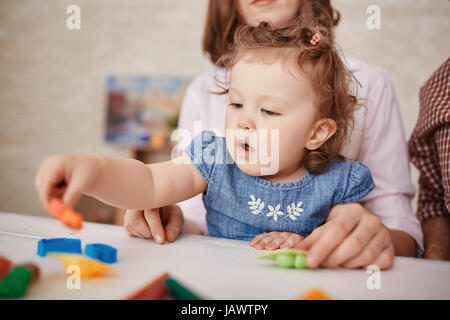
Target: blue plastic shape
[65, 245]
[102, 252]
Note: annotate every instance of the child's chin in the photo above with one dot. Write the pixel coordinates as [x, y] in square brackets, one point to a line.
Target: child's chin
[254, 169]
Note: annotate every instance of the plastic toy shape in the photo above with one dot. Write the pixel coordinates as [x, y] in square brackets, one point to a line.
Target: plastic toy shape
[65, 245]
[180, 292]
[315, 294]
[88, 268]
[5, 267]
[156, 290]
[65, 214]
[16, 283]
[102, 252]
[287, 258]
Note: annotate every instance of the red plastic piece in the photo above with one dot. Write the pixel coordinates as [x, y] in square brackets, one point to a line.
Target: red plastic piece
[5, 267]
[156, 290]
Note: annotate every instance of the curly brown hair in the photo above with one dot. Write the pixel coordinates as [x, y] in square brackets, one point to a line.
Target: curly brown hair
[330, 78]
[222, 21]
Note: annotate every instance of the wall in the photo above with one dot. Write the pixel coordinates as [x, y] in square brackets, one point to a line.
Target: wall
[52, 79]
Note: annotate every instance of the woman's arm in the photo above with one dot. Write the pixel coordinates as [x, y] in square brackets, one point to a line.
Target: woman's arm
[384, 150]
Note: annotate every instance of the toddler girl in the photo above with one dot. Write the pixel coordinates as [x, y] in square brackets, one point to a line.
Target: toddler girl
[289, 99]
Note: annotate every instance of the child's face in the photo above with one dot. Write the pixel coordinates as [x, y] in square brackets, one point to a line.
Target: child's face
[266, 99]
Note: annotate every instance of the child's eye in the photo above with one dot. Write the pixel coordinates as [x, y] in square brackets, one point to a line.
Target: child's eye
[270, 113]
[236, 105]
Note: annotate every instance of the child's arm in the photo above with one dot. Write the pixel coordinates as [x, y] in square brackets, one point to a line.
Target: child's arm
[128, 183]
[120, 182]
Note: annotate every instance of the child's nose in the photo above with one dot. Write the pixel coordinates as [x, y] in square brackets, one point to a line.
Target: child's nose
[246, 122]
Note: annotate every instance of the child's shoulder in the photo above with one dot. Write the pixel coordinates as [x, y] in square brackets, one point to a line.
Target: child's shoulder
[347, 171]
[208, 146]
[207, 138]
[206, 151]
[346, 167]
[353, 179]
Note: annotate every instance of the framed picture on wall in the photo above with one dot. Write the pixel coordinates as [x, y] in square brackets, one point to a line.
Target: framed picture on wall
[142, 110]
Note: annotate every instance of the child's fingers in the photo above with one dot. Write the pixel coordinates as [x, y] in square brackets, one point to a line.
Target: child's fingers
[45, 183]
[262, 244]
[277, 240]
[154, 222]
[72, 195]
[50, 174]
[135, 233]
[76, 186]
[174, 222]
[38, 186]
[258, 238]
[292, 240]
[135, 223]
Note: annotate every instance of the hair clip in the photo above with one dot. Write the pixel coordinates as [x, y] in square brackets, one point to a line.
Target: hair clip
[315, 39]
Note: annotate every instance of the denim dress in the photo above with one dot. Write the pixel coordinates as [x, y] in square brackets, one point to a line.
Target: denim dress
[241, 206]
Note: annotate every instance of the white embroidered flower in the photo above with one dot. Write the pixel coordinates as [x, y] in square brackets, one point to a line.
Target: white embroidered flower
[275, 212]
[255, 205]
[294, 211]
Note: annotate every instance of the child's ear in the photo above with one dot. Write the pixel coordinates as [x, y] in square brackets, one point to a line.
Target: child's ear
[323, 130]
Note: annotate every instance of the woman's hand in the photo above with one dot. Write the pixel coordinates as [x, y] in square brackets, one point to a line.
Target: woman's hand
[66, 176]
[160, 224]
[275, 240]
[351, 238]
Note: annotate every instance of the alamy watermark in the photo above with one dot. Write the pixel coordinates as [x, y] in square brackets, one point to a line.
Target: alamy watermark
[374, 20]
[74, 20]
[254, 147]
[374, 280]
[74, 280]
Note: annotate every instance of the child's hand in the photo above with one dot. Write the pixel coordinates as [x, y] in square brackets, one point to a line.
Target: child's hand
[159, 224]
[276, 240]
[66, 176]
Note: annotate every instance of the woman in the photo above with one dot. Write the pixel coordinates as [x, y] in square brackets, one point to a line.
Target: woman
[361, 235]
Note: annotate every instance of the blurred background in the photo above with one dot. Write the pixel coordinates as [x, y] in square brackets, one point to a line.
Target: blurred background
[55, 97]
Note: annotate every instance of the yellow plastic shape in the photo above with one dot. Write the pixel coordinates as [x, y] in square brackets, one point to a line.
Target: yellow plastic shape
[88, 268]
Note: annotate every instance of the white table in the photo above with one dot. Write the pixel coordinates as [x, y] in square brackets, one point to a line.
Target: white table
[211, 267]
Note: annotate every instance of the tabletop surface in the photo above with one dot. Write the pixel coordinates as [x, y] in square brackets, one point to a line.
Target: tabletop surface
[211, 267]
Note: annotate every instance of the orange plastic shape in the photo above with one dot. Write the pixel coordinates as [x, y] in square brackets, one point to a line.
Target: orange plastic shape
[314, 294]
[66, 215]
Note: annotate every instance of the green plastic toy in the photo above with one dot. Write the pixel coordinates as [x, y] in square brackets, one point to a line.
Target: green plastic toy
[287, 258]
[15, 283]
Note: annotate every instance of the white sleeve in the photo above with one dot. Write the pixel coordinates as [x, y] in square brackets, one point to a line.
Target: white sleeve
[191, 110]
[384, 151]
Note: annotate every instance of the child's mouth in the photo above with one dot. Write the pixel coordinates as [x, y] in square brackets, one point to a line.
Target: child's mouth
[245, 146]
